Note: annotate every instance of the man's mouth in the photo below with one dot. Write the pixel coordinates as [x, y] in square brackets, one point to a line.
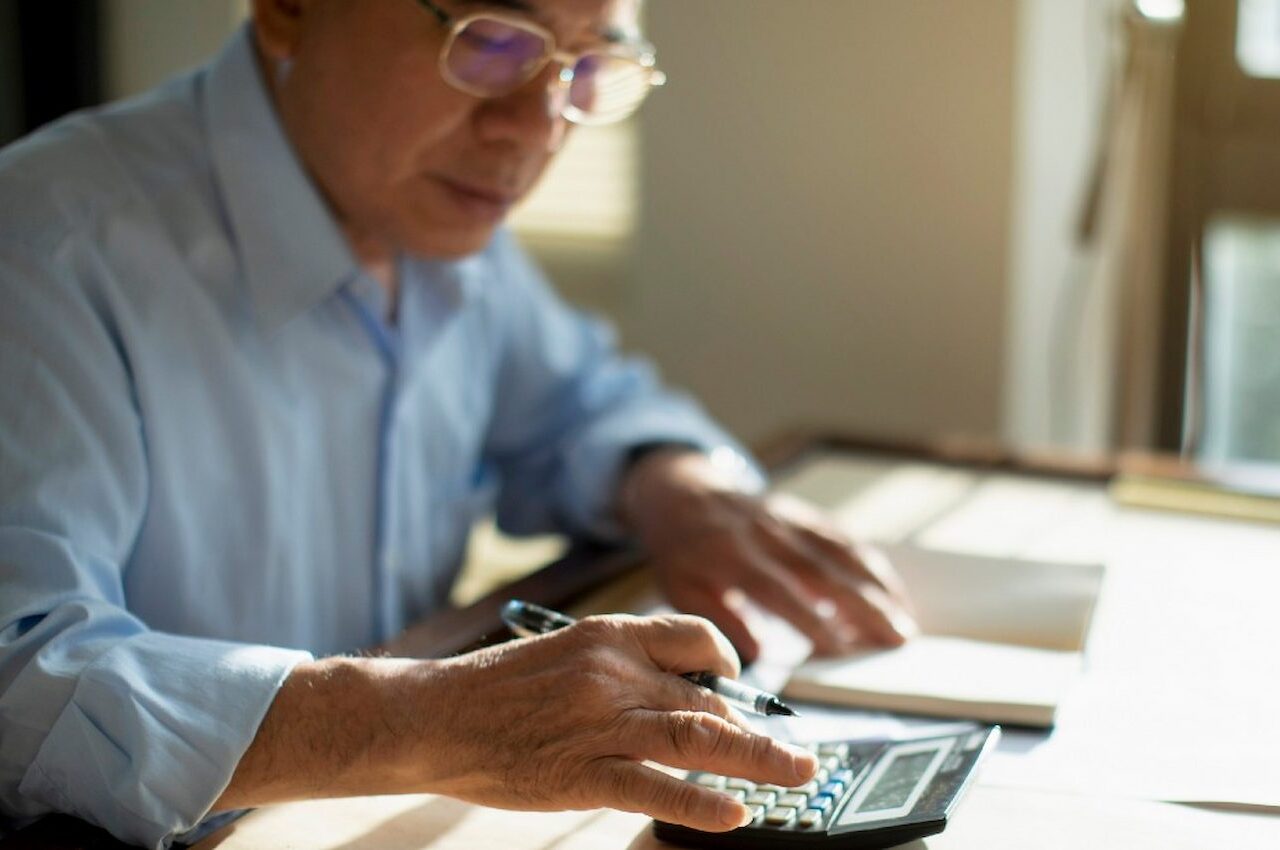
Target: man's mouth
[478, 201]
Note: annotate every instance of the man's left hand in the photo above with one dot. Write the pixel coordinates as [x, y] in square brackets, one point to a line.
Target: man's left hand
[707, 539]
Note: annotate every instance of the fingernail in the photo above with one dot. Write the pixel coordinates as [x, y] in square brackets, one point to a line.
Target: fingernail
[733, 813]
[803, 762]
[905, 625]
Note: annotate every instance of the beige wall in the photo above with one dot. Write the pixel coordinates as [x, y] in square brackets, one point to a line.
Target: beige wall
[827, 191]
[147, 40]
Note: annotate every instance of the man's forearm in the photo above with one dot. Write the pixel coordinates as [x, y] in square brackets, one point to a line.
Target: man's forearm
[337, 728]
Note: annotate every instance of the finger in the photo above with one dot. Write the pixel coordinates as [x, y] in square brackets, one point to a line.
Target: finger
[679, 643]
[668, 693]
[707, 601]
[869, 562]
[633, 787]
[779, 591]
[815, 530]
[867, 583]
[697, 741]
[837, 573]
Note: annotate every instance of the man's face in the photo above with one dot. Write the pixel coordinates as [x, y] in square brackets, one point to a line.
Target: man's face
[406, 161]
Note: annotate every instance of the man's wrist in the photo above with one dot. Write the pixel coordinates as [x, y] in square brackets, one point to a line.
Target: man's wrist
[338, 727]
[664, 477]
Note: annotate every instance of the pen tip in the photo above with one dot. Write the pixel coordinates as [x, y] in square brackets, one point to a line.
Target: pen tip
[777, 707]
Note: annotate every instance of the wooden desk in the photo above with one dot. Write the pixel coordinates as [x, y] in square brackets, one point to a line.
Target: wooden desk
[994, 816]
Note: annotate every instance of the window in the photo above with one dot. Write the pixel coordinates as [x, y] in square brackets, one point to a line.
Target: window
[1258, 38]
[588, 193]
[1241, 405]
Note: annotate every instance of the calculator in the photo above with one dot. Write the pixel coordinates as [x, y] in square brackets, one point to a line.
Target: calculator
[867, 794]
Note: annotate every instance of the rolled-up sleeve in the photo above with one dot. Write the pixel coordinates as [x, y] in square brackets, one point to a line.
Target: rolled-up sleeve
[135, 730]
[570, 408]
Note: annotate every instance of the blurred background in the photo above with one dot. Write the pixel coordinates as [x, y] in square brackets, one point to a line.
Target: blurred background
[1047, 222]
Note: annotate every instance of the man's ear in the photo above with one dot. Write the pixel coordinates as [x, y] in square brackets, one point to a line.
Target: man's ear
[278, 24]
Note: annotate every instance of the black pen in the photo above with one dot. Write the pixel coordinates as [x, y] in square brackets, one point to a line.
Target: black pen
[526, 619]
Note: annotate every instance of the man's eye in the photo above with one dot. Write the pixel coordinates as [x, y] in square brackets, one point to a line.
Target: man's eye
[485, 43]
[486, 37]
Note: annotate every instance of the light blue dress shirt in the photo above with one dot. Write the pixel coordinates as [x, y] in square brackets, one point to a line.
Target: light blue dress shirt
[216, 457]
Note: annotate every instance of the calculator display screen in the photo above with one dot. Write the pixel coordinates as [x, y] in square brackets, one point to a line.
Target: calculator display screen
[897, 783]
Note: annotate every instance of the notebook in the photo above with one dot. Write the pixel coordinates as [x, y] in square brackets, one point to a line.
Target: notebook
[1001, 641]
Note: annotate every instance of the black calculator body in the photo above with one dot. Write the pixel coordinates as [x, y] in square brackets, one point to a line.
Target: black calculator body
[868, 794]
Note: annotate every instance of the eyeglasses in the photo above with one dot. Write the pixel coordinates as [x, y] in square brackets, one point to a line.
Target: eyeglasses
[491, 54]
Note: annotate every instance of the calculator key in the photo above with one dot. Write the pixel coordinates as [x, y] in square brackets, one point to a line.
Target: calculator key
[780, 816]
[757, 812]
[745, 784]
[710, 780]
[806, 789]
[810, 817]
[839, 750]
[795, 801]
[845, 777]
[835, 789]
[762, 798]
[737, 794]
[822, 802]
[822, 776]
[773, 789]
[831, 763]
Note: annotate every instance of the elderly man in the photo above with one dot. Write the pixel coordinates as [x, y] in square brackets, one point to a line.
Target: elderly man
[265, 354]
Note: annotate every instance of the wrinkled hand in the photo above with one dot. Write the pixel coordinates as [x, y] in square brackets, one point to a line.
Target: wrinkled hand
[707, 540]
[566, 720]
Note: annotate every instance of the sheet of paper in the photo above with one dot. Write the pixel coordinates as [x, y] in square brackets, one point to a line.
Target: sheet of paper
[1182, 692]
[1010, 819]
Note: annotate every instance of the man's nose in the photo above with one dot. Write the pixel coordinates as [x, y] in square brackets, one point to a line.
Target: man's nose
[531, 115]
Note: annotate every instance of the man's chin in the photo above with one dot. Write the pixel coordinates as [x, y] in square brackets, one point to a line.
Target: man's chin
[452, 245]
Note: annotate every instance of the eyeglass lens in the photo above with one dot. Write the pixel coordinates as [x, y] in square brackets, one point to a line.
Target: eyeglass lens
[490, 57]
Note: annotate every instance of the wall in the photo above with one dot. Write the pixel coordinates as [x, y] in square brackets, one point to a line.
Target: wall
[148, 40]
[826, 211]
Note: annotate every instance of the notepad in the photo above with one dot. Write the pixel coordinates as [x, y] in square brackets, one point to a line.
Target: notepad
[1001, 641]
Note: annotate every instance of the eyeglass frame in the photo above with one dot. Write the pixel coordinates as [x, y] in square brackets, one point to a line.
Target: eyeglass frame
[641, 52]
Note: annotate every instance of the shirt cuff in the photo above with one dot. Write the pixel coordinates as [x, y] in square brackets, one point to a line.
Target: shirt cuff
[153, 733]
[597, 465]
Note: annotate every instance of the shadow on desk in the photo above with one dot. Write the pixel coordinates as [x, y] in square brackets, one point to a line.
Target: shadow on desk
[403, 831]
[439, 823]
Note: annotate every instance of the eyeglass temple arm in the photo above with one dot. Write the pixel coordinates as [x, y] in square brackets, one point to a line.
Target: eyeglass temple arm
[441, 15]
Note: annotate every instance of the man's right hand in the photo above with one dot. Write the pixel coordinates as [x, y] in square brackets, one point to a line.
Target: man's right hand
[566, 720]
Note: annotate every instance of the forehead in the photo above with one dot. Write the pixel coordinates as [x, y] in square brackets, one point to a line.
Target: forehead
[569, 20]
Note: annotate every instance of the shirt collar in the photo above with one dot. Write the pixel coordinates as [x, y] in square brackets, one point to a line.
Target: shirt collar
[293, 253]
